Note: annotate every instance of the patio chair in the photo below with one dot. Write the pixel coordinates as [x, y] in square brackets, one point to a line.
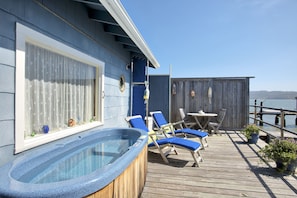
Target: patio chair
[188, 123]
[155, 142]
[163, 125]
[215, 125]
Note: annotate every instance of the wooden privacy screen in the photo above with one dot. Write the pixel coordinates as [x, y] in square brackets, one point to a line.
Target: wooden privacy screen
[210, 95]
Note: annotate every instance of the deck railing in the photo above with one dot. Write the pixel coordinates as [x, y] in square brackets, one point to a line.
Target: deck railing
[260, 110]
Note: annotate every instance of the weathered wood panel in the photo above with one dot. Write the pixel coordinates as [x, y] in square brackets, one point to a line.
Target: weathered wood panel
[229, 93]
[132, 180]
[130, 183]
[231, 168]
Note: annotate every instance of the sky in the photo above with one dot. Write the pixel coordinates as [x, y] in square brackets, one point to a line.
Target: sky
[222, 38]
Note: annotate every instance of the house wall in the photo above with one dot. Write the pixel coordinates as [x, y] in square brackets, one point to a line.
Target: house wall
[67, 22]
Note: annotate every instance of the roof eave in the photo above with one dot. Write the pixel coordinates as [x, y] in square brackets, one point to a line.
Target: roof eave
[118, 12]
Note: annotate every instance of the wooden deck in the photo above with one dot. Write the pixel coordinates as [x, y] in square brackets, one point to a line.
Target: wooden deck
[231, 168]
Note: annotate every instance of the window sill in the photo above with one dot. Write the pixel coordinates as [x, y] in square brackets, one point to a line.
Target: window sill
[49, 137]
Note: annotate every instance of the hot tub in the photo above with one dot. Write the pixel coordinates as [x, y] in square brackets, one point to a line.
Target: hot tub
[100, 163]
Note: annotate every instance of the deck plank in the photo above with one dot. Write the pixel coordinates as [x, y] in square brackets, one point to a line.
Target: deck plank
[231, 168]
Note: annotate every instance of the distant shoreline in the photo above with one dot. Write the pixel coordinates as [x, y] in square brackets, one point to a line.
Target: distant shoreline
[273, 94]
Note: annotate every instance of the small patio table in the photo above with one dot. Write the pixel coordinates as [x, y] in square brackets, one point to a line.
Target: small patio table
[208, 116]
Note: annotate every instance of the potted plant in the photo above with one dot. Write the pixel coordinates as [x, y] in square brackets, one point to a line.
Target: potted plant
[283, 152]
[251, 132]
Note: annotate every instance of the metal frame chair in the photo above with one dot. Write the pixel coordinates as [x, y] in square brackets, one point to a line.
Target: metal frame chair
[215, 126]
[187, 122]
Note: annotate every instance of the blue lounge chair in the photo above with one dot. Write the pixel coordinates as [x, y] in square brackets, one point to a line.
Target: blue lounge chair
[156, 143]
[163, 125]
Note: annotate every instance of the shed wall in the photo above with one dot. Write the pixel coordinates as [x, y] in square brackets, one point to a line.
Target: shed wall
[229, 93]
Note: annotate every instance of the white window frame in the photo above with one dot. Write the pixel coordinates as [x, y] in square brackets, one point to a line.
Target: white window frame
[23, 35]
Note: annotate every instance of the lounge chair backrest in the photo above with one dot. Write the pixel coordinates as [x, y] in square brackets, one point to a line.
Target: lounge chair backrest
[159, 118]
[161, 122]
[137, 122]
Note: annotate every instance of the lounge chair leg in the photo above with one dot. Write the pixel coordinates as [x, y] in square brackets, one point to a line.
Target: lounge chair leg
[164, 157]
[203, 145]
[171, 149]
[199, 156]
[201, 141]
[195, 159]
[206, 142]
[175, 151]
[218, 132]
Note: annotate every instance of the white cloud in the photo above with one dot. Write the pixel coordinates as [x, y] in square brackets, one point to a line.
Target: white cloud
[264, 4]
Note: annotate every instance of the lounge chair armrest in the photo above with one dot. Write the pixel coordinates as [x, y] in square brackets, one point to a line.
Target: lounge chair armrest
[181, 124]
[178, 122]
[155, 135]
[165, 129]
[166, 125]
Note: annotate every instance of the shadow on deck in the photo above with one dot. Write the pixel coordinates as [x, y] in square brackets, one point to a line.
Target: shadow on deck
[231, 168]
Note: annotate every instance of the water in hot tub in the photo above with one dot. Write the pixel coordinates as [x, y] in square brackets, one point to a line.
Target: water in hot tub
[83, 161]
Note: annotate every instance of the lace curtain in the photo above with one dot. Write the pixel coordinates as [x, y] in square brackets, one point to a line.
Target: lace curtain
[58, 88]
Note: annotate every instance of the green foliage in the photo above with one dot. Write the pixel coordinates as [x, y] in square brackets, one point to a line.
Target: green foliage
[284, 151]
[249, 130]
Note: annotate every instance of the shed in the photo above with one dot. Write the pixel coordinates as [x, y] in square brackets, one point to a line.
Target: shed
[206, 94]
[211, 95]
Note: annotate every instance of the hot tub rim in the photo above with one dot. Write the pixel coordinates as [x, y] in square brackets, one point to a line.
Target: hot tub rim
[77, 187]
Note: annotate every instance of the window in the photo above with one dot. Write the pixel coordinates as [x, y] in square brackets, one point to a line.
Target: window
[59, 90]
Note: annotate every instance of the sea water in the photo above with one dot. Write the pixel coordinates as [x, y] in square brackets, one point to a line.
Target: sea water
[288, 104]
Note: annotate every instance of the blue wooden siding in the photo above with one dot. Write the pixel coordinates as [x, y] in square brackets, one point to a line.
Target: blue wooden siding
[160, 94]
[7, 69]
[67, 22]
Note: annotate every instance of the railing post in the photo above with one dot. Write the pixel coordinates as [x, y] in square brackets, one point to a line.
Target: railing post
[255, 112]
[296, 114]
[282, 123]
[276, 119]
[261, 113]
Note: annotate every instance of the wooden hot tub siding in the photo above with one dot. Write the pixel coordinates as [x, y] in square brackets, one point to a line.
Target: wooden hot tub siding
[130, 183]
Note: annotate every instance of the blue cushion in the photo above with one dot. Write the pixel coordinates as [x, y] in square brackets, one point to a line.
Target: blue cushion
[191, 145]
[138, 123]
[185, 143]
[192, 132]
[161, 142]
[160, 119]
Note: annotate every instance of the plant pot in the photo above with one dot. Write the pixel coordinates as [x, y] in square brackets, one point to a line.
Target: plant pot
[254, 138]
[290, 168]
